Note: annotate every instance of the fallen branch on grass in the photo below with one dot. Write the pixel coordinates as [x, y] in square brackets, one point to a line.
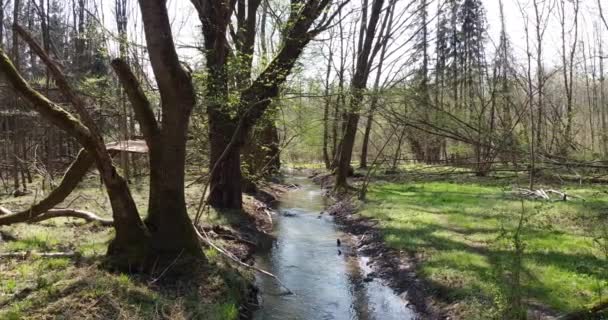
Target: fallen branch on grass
[72, 213]
[542, 194]
[4, 211]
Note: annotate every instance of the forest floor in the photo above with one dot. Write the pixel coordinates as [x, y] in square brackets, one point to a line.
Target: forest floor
[460, 233]
[78, 287]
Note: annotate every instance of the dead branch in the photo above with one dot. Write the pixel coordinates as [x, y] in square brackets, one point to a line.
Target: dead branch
[542, 194]
[205, 238]
[4, 211]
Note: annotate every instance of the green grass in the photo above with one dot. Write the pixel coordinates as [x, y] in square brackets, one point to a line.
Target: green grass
[462, 234]
[79, 288]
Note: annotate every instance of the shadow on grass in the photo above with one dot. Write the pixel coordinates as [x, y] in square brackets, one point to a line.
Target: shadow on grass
[86, 290]
[459, 234]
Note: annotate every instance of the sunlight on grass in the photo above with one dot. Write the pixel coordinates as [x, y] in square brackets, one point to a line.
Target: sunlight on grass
[460, 231]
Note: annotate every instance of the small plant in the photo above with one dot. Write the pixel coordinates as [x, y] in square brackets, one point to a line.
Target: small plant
[512, 274]
[601, 241]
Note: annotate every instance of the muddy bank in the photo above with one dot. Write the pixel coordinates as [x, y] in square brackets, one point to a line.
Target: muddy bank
[396, 268]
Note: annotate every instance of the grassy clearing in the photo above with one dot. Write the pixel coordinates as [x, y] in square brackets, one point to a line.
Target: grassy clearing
[78, 288]
[462, 231]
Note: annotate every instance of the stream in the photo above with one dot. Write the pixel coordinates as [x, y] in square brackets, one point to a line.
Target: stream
[328, 282]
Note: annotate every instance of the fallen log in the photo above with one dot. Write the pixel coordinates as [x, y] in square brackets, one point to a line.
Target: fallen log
[65, 213]
[72, 213]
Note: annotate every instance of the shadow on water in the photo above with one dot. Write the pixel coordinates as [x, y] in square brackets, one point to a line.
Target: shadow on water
[328, 284]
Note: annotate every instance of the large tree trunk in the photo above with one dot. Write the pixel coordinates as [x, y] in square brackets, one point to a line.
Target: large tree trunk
[227, 131]
[262, 155]
[129, 248]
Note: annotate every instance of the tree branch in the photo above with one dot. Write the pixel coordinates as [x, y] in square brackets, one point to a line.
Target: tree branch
[70, 181]
[140, 103]
[62, 82]
[53, 112]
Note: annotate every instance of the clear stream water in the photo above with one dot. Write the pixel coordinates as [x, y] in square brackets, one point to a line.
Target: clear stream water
[327, 284]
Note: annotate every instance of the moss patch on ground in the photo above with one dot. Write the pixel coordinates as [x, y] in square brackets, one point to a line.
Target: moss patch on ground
[464, 235]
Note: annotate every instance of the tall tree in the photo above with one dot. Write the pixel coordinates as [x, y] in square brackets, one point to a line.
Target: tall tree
[230, 120]
[568, 55]
[365, 56]
[375, 97]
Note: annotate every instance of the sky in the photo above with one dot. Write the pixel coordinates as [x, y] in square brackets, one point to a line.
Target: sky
[186, 26]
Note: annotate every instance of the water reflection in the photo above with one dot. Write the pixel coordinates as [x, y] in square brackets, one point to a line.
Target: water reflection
[327, 285]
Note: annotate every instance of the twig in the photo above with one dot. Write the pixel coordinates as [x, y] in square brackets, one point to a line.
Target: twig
[167, 268]
[232, 257]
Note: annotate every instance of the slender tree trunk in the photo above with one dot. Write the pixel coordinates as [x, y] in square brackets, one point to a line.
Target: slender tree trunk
[366, 134]
[358, 85]
[15, 135]
[328, 100]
